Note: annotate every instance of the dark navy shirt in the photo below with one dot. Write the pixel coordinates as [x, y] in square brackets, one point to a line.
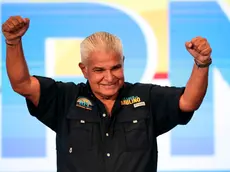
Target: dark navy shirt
[89, 140]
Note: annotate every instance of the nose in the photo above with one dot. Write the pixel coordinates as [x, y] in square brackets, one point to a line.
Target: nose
[108, 76]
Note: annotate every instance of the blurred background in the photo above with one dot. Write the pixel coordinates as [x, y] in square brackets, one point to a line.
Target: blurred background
[153, 33]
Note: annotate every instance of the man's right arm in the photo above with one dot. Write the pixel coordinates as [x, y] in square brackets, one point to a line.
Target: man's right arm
[13, 29]
[46, 99]
[18, 74]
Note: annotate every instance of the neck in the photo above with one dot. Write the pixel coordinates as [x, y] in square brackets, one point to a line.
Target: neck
[104, 98]
[108, 101]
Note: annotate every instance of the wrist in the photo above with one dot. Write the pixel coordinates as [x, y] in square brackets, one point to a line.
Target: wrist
[203, 65]
[13, 42]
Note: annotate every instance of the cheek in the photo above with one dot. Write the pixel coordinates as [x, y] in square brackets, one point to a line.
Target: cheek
[95, 78]
[119, 74]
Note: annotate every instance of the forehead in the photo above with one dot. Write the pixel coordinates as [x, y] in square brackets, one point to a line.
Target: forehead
[104, 58]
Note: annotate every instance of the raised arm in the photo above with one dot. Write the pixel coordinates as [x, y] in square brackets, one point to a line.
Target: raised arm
[21, 81]
[197, 84]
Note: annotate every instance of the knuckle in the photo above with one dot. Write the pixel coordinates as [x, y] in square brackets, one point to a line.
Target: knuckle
[11, 18]
[193, 40]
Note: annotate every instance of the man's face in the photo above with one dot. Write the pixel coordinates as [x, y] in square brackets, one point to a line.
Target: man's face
[104, 71]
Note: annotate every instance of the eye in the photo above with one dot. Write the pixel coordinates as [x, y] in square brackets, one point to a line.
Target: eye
[98, 70]
[116, 67]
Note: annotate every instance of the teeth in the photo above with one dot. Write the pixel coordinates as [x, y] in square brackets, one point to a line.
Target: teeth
[109, 85]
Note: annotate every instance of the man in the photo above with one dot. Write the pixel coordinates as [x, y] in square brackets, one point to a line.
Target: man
[105, 125]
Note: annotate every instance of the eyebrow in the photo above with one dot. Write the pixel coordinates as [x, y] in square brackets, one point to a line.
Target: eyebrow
[113, 67]
[116, 66]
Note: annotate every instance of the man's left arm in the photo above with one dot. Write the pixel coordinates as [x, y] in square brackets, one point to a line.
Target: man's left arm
[197, 84]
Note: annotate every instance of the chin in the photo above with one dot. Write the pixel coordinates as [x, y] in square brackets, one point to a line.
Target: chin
[109, 93]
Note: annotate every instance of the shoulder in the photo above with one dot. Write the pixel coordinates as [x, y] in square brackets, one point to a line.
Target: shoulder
[71, 89]
[153, 89]
[138, 86]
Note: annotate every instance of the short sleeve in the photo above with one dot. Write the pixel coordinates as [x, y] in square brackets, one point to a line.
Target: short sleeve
[55, 98]
[166, 110]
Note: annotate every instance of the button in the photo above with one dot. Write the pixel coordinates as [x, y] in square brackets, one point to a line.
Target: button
[104, 115]
[70, 150]
[135, 121]
[107, 134]
[108, 154]
[82, 121]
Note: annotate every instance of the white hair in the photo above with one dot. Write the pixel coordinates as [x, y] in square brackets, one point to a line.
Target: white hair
[100, 41]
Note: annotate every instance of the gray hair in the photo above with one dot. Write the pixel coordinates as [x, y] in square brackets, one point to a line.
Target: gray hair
[100, 41]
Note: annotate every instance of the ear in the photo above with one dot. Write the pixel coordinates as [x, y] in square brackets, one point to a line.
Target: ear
[123, 60]
[83, 70]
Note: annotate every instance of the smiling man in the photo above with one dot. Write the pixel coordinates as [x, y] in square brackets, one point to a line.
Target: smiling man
[106, 124]
[102, 65]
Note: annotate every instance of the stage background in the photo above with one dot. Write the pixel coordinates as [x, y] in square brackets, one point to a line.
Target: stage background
[153, 33]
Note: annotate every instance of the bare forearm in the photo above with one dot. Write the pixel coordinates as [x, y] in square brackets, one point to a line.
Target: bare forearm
[195, 89]
[17, 69]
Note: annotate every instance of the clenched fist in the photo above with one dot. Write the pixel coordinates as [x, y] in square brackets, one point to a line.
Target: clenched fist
[14, 28]
[200, 49]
